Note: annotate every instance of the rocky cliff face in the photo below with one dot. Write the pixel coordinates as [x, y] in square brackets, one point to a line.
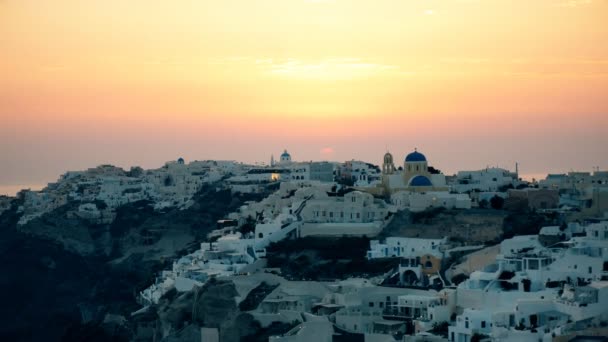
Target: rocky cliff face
[66, 277]
[181, 317]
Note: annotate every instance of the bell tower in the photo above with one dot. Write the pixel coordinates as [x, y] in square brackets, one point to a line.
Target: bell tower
[388, 167]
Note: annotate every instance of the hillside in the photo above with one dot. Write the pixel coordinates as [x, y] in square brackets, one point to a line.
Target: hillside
[67, 274]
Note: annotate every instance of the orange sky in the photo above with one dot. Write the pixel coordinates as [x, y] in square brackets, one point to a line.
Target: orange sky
[468, 82]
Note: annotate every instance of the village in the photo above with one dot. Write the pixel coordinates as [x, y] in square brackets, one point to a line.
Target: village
[530, 286]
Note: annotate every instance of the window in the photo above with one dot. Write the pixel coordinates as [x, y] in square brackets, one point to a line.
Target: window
[533, 264]
[260, 235]
[371, 304]
[380, 304]
[331, 214]
[358, 215]
[483, 324]
[590, 269]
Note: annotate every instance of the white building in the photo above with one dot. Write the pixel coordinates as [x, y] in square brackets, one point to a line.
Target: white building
[536, 292]
[489, 179]
[420, 201]
[357, 213]
[354, 207]
[406, 247]
[285, 158]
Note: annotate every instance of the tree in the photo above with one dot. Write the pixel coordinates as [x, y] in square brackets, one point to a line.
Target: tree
[477, 337]
[248, 226]
[433, 170]
[497, 202]
[459, 278]
[440, 328]
[483, 203]
[135, 171]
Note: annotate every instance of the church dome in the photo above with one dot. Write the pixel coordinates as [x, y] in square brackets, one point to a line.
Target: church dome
[420, 181]
[285, 154]
[415, 157]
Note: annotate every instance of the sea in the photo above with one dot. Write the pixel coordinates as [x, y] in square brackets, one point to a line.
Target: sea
[12, 190]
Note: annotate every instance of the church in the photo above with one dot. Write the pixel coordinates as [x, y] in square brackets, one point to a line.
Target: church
[414, 176]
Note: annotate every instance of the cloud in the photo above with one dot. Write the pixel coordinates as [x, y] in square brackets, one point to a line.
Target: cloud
[329, 68]
[575, 3]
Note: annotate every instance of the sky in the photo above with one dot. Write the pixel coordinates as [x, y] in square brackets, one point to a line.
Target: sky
[470, 83]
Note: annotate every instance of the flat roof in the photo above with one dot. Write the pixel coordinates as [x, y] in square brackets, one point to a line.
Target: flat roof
[387, 322]
[599, 284]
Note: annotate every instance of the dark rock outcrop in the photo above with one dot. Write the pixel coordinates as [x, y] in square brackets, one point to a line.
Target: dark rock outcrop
[63, 275]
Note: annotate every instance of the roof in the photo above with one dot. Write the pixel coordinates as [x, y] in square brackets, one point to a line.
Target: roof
[327, 305]
[420, 181]
[415, 157]
[387, 322]
[551, 230]
[589, 338]
[599, 284]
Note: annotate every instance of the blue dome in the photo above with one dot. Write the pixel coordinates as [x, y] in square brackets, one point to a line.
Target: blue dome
[285, 154]
[420, 181]
[415, 157]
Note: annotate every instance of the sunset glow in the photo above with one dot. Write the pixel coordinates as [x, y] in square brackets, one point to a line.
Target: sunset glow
[141, 82]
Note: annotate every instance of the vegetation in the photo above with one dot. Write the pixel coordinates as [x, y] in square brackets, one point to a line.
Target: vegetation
[319, 258]
[459, 278]
[433, 170]
[526, 223]
[427, 215]
[248, 226]
[345, 181]
[256, 296]
[505, 188]
[440, 329]
[477, 337]
[497, 202]
[274, 329]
